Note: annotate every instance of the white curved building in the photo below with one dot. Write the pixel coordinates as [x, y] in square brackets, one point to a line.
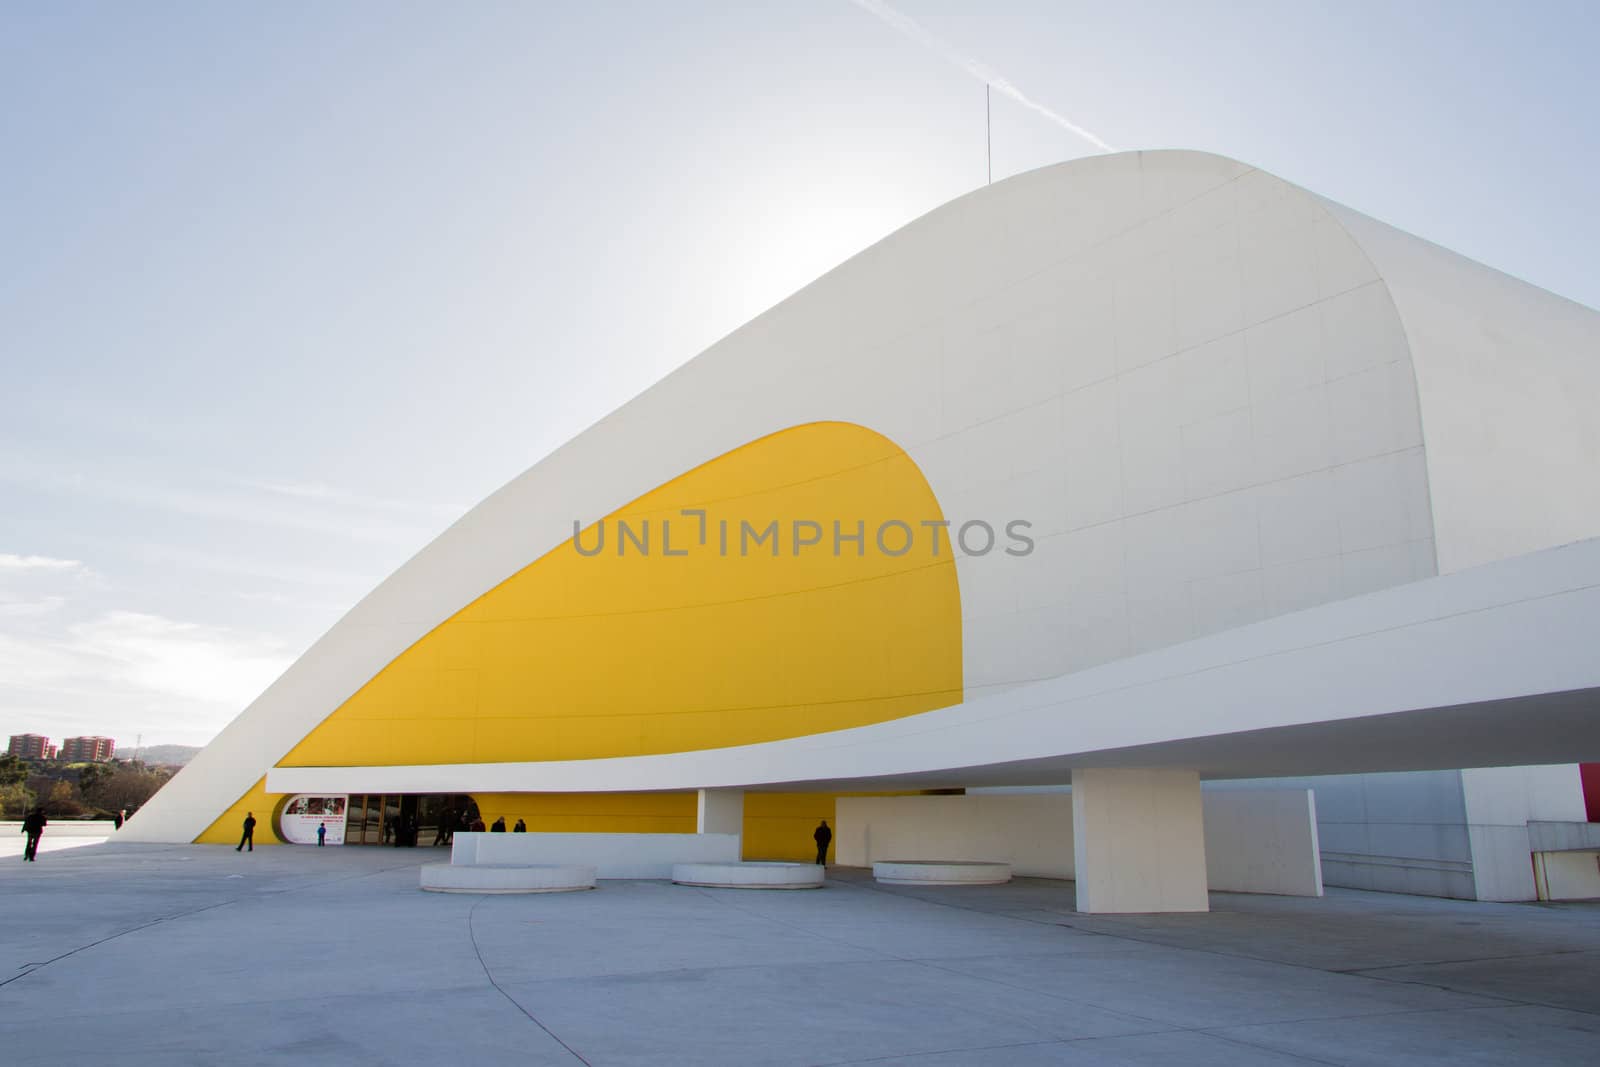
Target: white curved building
[1241, 483]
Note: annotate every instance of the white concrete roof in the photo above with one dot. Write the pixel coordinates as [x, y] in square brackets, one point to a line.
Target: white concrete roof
[1219, 398]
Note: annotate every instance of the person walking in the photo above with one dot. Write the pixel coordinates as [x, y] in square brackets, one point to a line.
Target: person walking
[249, 837]
[33, 826]
[322, 834]
[822, 836]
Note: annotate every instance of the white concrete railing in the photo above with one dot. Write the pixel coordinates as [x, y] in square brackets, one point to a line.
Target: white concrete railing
[611, 855]
[65, 827]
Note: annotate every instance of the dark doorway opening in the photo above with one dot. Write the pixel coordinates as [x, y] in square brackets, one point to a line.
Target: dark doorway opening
[407, 820]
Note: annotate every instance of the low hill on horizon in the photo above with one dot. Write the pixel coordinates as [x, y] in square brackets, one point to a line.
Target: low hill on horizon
[168, 755]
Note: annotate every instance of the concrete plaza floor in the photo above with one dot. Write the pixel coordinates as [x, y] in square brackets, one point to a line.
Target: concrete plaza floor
[196, 954]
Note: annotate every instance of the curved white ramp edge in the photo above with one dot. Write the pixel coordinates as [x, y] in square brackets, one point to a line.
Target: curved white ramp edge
[940, 872]
[505, 878]
[750, 875]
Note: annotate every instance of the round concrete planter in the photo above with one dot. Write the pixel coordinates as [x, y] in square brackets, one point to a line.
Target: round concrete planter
[505, 878]
[940, 872]
[749, 875]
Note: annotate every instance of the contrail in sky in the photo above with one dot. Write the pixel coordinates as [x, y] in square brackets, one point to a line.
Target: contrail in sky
[925, 37]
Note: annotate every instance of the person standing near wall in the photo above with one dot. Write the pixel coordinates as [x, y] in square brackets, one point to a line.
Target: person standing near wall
[33, 826]
[249, 837]
[322, 834]
[822, 836]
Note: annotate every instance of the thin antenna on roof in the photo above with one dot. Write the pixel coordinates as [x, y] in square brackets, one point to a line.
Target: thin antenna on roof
[988, 134]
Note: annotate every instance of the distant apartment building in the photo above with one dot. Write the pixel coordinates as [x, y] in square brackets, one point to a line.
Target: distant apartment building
[88, 749]
[31, 746]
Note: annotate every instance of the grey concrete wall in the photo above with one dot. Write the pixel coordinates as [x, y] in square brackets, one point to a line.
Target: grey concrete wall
[1397, 833]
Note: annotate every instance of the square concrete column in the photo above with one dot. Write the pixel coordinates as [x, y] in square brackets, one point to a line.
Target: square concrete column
[1138, 840]
[720, 811]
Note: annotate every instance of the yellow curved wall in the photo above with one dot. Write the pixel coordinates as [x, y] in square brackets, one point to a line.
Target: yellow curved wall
[577, 657]
[615, 654]
[777, 826]
[594, 813]
[229, 826]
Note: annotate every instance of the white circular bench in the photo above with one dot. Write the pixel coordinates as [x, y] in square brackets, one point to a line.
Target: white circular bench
[505, 878]
[941, 872]
[754, 875]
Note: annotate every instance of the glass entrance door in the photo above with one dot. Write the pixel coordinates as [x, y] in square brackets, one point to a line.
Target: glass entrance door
[407, 819]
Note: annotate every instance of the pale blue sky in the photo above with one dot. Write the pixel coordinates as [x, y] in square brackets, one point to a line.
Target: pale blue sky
[285, 288]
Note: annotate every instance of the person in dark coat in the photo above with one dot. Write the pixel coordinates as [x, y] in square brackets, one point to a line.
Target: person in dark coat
[499, 826]
[33, 826]
[249, 837]
[822, 836]
[520, 828]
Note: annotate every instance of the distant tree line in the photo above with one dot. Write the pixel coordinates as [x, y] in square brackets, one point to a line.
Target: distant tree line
[77, 790]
